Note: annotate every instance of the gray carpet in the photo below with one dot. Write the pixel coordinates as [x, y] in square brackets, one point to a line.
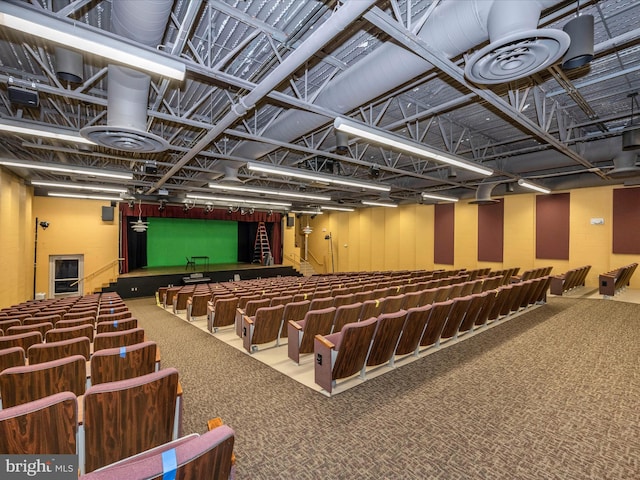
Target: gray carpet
[551, 394]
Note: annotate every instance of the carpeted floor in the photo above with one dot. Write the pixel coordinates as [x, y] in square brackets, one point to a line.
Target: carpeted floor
[550, 394]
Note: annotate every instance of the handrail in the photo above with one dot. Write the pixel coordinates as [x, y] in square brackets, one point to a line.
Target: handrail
[100, 270]
[315, 259]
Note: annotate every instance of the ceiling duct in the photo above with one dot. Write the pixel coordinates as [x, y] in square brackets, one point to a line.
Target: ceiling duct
[517, 49]
[230, 175]
[624, 165]
[483, 194]
[143, 21]
[69, 63]
[631, 135]
[453, 28]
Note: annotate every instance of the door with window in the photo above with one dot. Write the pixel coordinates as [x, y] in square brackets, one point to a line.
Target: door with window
[65, 275]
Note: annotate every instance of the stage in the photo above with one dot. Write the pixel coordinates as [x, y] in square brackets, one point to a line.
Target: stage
[144, 282]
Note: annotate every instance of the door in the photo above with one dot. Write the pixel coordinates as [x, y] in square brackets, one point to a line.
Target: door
[65, 275]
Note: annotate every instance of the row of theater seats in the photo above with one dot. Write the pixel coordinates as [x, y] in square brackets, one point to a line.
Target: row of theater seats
[375, 341]
[193, 298]
[420, 317]
[63, 391]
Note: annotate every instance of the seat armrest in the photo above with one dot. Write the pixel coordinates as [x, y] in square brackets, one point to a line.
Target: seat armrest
[324, 341]
[295, 325]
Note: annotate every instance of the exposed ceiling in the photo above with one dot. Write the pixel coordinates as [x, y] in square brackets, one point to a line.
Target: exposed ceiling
[265, 80]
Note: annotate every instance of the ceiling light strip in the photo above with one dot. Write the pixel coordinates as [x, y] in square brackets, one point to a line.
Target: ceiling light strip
[48, 132]
[62, 169]
[396, 142]
[236, 200]
[306, 175]
[532, 186]
[379, 204]
[83, 196]
[264, 191]
[338, 209]
[98, 188]
[78, 36]
[435, 196]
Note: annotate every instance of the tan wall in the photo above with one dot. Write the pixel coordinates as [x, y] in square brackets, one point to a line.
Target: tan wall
[76, 227]
[402, 238]
[17, 229]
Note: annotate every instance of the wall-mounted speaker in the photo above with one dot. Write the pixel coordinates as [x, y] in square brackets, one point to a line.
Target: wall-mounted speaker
[291, 221]
[107, 214]
[23, 96]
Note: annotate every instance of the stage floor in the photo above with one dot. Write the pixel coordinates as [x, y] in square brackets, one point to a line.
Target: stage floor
[182, 270]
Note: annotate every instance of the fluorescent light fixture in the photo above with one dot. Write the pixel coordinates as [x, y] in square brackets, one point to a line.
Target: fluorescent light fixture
[435, 196]
[95, 188]
[23, 128]
[396, 142]
[314, 177]
[67, 169]
[83, 196]
[338, 209]
[307, 212]
[532, 186]
[379, 204]
[228, 200]
[265, 191]
[78, 36]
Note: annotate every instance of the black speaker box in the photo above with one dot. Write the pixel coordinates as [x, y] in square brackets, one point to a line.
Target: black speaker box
[23, 96]
[107, 214]
[291, 221]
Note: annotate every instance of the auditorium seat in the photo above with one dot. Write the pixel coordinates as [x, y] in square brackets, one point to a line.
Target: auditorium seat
[42, 327]
[454, 317]
[197, 305]
[58, 334]
[372, 308]
[415, 324]
[437, 319]
[301, 333]
[117, 325]
[118, 339]
[262, 328]
[342, 355]
[412, 299]
[121, 363]
[249, 310]
[393, 303]
[109, 317]
[343, 299]
[346, 314]
[222, 313]
[75, 322]
[180, 299]
[20, 385]
[385, 339]
[46, 352]
[145, 418]
[6, 323]
[202, 457]
[24, 340]
[11, 357]
[168, 298]
[475, 306]
[54, 319]
[45, 426]
[318, 303]
[293, 311]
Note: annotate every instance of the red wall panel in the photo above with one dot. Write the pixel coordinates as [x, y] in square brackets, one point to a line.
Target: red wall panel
[491, 232]
[552, 226]
[444, 233]
[626, 220]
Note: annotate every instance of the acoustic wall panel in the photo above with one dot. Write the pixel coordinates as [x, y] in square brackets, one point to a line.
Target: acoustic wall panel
[626, 220]
[491, 232]
[444, 232]
[552, 226]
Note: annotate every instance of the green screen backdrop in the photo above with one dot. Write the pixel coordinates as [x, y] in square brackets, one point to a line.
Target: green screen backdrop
[171, 240]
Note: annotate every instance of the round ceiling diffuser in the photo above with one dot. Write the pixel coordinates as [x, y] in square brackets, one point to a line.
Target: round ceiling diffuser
[123, 138]
[516, 56]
